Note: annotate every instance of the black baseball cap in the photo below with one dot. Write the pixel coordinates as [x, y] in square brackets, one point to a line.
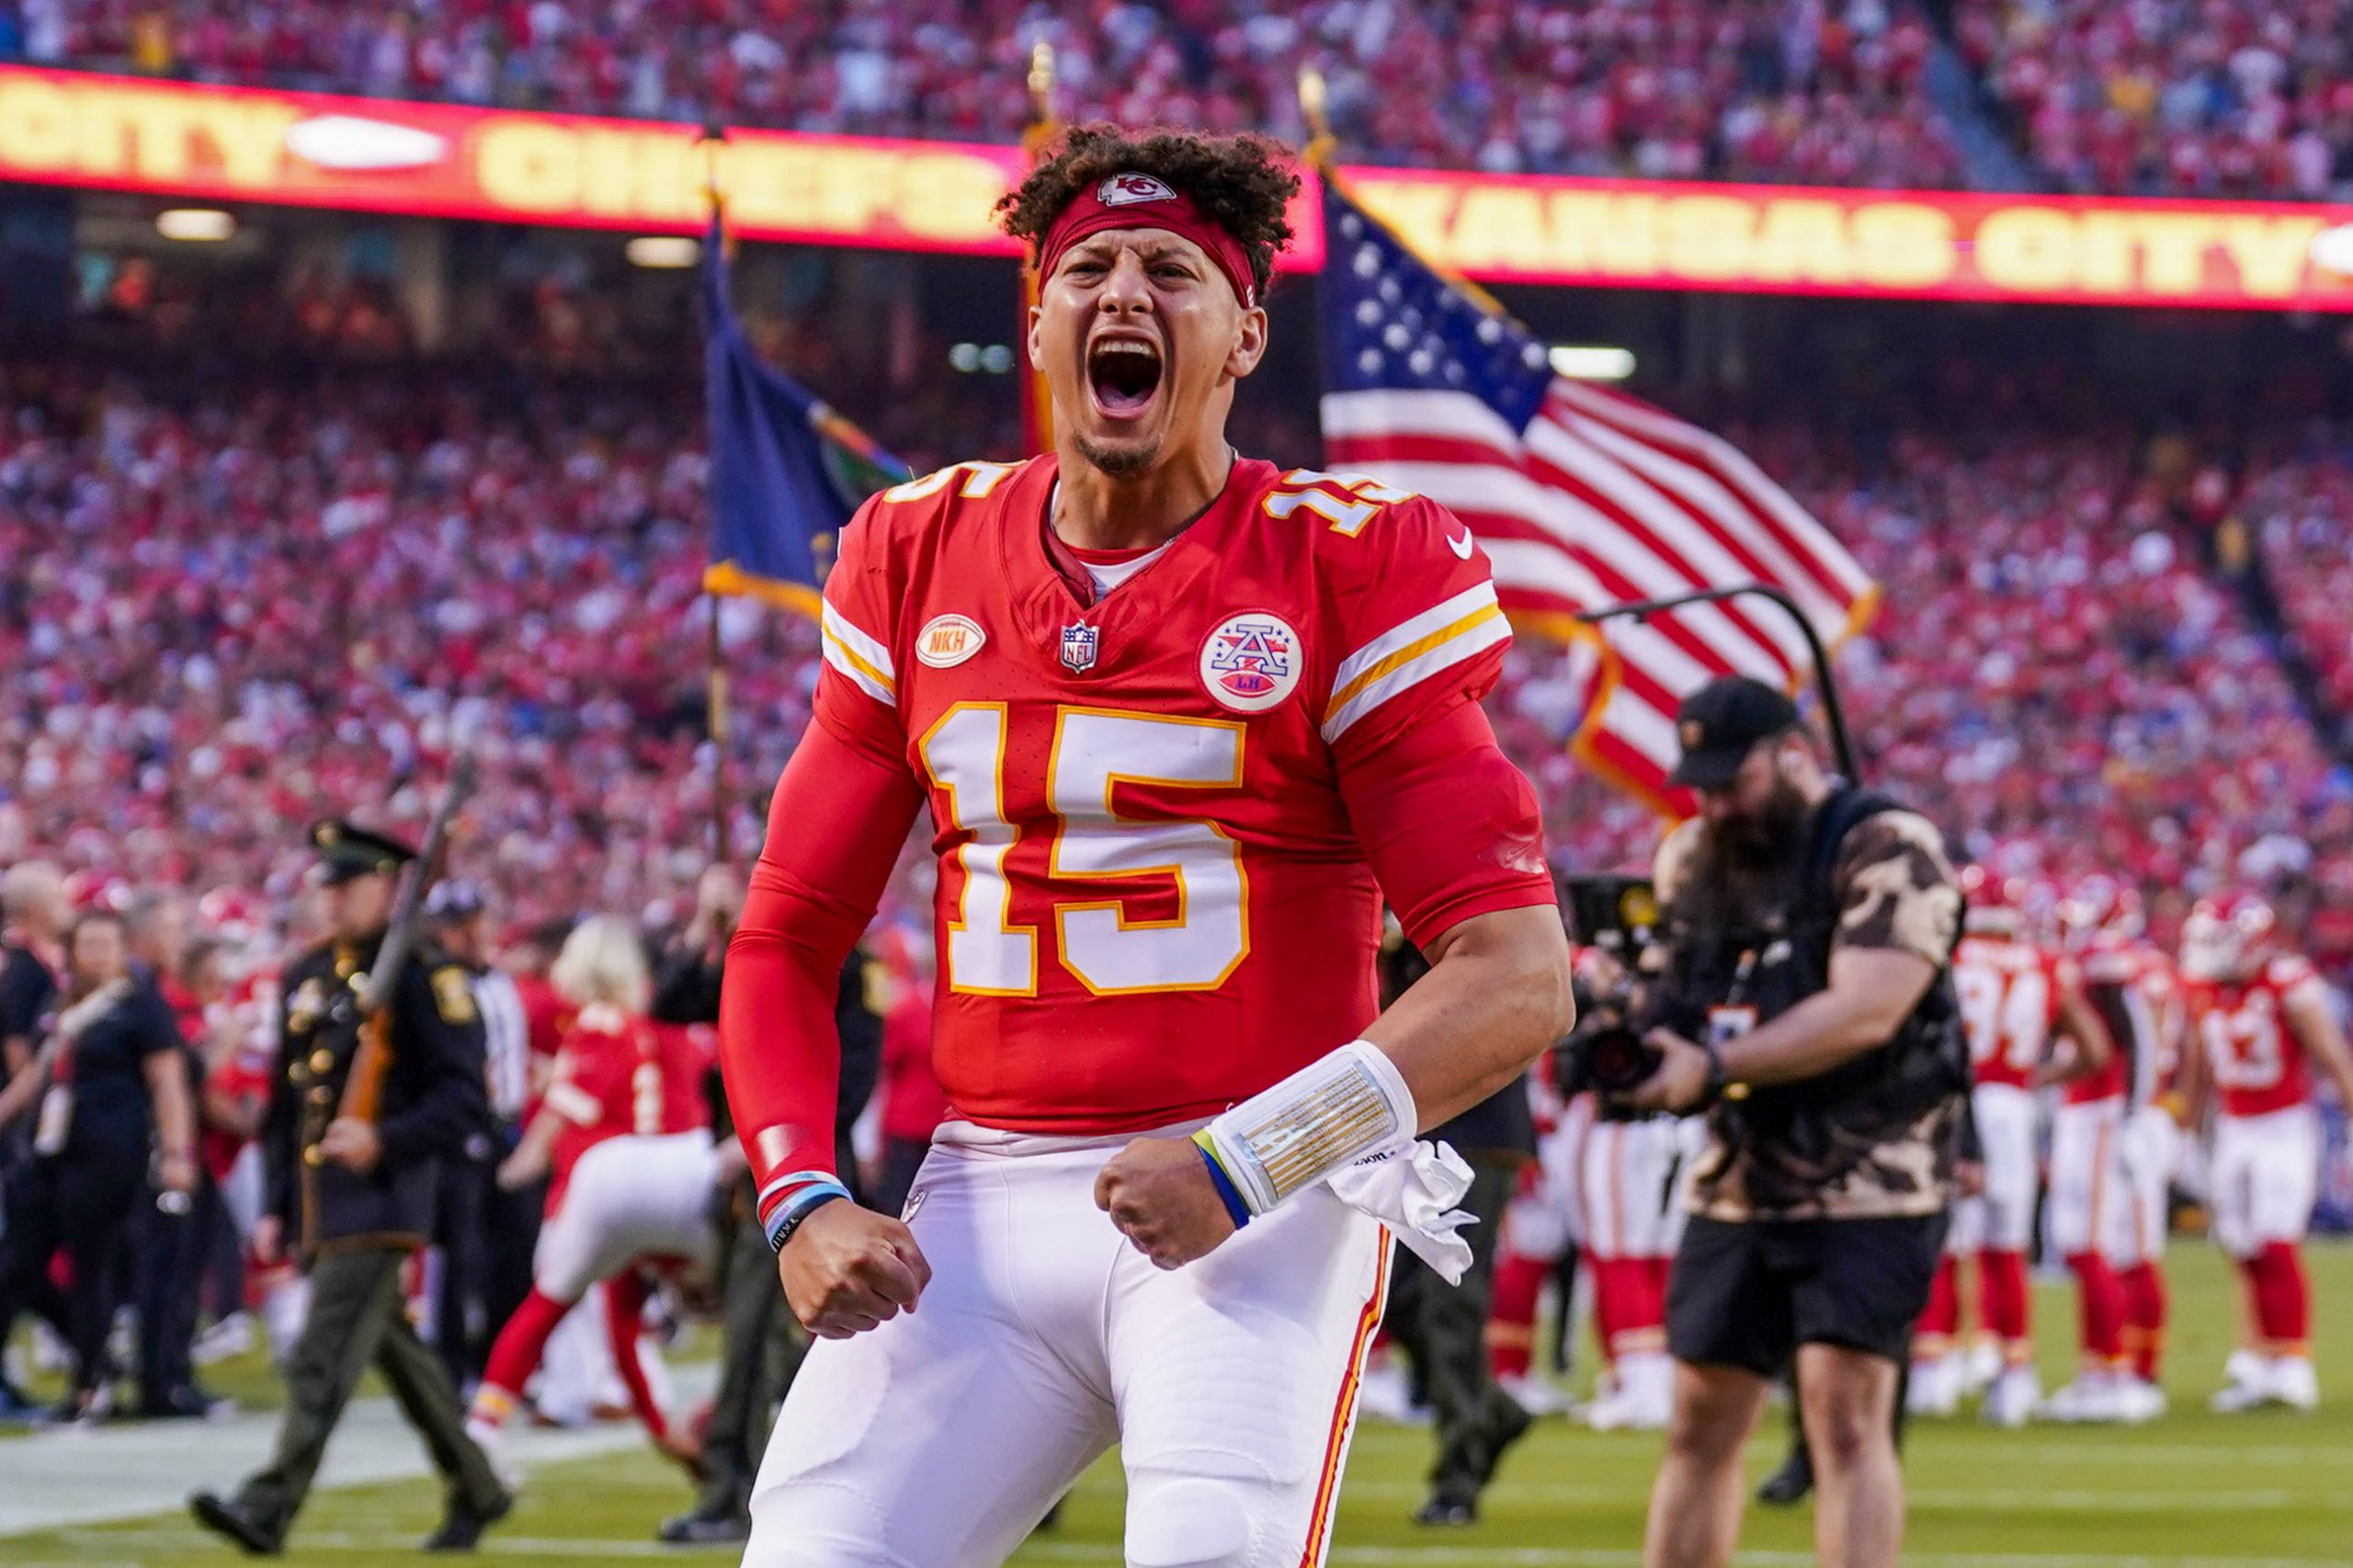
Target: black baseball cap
[347, 851]
[1719, 722]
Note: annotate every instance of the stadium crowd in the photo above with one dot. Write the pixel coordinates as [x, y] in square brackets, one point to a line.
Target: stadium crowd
[1812, 91]
[2070, 690]
[2215, 98]
[2169, 97]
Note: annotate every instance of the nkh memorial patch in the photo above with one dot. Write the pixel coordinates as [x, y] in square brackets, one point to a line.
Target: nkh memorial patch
[1251, 662]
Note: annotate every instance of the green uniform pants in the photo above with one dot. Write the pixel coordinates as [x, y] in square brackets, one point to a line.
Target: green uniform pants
[357, 1318]
[758, 1354]
[1444, 1328]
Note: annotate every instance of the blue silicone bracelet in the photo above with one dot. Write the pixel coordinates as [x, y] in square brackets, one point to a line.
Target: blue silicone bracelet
[1227, 1192]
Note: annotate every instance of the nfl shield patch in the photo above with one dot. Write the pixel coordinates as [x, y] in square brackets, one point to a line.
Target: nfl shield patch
[1079, 644]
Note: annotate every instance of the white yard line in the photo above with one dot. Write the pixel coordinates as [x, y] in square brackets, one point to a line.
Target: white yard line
[71, 1477]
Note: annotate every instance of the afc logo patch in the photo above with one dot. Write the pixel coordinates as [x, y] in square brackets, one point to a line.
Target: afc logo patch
[1127, 189]
[1251, 662]
[1080, 644]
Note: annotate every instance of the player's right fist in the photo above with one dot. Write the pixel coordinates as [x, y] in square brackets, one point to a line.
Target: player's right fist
[847, 1269]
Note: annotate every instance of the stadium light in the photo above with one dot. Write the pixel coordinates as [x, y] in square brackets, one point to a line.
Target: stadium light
[965, 357]
[1590, 362]
[670, 251]
[206, 224]
[2332, 250]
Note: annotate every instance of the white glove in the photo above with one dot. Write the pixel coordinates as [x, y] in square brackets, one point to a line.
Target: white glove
[1412, 1187]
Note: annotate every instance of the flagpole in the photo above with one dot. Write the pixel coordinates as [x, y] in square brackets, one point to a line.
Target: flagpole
[1037, 407]
[1831, 709]
[715, 714]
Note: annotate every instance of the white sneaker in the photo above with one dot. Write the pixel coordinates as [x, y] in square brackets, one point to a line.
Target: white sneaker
[2011, 1399]
[2248, 1388]
[1642, 1400]
[1982, 1368]
[2139, 1401]
[1936, 1387]
[232, 1336]
[1385, 1393]
[2294, 1383]
[1540, 1397]
[2086, 1400]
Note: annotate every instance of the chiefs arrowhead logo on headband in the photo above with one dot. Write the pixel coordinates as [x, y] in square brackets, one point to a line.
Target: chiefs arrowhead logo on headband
[1114, 204]
[1126, 190]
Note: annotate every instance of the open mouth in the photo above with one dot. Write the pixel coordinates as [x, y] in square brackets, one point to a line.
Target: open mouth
[1124, 373]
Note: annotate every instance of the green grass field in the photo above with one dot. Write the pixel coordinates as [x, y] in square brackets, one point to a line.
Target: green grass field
[2267, 1491]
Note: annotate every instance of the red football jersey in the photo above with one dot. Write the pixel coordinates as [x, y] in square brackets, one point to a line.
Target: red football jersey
[1160, 813]
[2257, 1062]
[2129, 983]
[617, 1076]
[2009, 993]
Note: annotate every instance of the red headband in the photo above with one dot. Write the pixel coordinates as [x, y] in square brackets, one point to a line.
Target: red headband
[1141, 202]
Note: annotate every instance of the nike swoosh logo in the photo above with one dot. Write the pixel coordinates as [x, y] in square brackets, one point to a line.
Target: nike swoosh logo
[1462, 547]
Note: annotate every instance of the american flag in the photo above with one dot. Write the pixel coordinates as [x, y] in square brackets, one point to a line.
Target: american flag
[1581, 497]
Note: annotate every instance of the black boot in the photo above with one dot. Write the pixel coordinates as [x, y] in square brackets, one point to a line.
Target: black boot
[462, 1531]
[708, 1524]
[1793, 1484]
[222, 1516]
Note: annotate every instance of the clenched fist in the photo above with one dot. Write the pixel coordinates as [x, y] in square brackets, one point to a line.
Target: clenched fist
[847, 1269]
[1160, 1195]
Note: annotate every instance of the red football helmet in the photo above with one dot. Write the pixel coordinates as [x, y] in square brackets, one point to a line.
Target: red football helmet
[1993, 907]
[2226, 936]
[2101, 903]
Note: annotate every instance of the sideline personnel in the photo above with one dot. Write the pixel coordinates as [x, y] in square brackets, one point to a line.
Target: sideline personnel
[1810, 925]
[357, 1197]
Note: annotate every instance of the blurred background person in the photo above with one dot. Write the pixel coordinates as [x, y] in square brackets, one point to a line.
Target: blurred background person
[115, 1098]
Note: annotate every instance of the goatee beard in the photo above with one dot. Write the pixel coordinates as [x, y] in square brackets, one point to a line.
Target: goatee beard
[1121, 462]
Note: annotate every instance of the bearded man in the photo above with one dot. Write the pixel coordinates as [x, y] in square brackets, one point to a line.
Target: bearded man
[1811, 924]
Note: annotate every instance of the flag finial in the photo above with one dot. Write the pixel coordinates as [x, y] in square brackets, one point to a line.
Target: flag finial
[1042, 83]
[1315, 105]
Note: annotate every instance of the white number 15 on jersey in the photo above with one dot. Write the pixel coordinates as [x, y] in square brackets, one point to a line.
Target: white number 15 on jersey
[1095, 750]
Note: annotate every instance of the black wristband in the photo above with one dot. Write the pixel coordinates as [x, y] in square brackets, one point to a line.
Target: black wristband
[793, 1220]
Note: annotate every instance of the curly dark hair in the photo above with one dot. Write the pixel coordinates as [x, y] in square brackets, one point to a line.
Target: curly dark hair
[1243, 184]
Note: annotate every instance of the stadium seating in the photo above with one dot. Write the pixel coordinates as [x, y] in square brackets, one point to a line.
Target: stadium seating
[2214, 98]
[1760, 89]
[2067, 688]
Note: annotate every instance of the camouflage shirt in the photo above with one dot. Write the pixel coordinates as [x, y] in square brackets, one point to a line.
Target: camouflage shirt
[1891, 887]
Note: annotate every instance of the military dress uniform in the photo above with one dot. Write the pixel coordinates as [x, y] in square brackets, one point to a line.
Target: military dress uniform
[355, 1230]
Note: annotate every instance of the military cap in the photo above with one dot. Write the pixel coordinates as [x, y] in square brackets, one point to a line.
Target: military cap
[347, 851]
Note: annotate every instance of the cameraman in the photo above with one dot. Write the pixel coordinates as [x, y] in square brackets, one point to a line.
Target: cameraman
[1808, 928]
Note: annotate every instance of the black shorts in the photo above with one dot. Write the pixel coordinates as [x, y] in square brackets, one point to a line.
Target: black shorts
[1748, 1294]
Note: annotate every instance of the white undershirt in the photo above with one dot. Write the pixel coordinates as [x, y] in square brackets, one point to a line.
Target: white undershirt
[1109, 574]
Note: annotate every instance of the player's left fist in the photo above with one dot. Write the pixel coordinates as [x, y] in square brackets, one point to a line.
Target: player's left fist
[1159, 1194]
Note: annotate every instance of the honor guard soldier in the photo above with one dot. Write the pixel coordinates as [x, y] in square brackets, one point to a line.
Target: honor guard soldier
[358, 1125]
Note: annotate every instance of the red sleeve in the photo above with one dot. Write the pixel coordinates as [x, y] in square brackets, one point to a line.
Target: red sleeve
[857, 686]
[835, 827]
[1419, 621]
[1450, 828]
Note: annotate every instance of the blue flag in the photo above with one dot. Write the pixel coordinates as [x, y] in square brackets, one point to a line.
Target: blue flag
[786, 471]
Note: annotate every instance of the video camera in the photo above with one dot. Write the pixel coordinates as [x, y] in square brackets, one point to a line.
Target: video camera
[1616, 917]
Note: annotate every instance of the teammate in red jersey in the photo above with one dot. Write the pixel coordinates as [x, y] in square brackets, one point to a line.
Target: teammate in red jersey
[1181, 720]
[622, 1135]
[2015, 1001]
[2109, 1170]
[2263, 1023]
